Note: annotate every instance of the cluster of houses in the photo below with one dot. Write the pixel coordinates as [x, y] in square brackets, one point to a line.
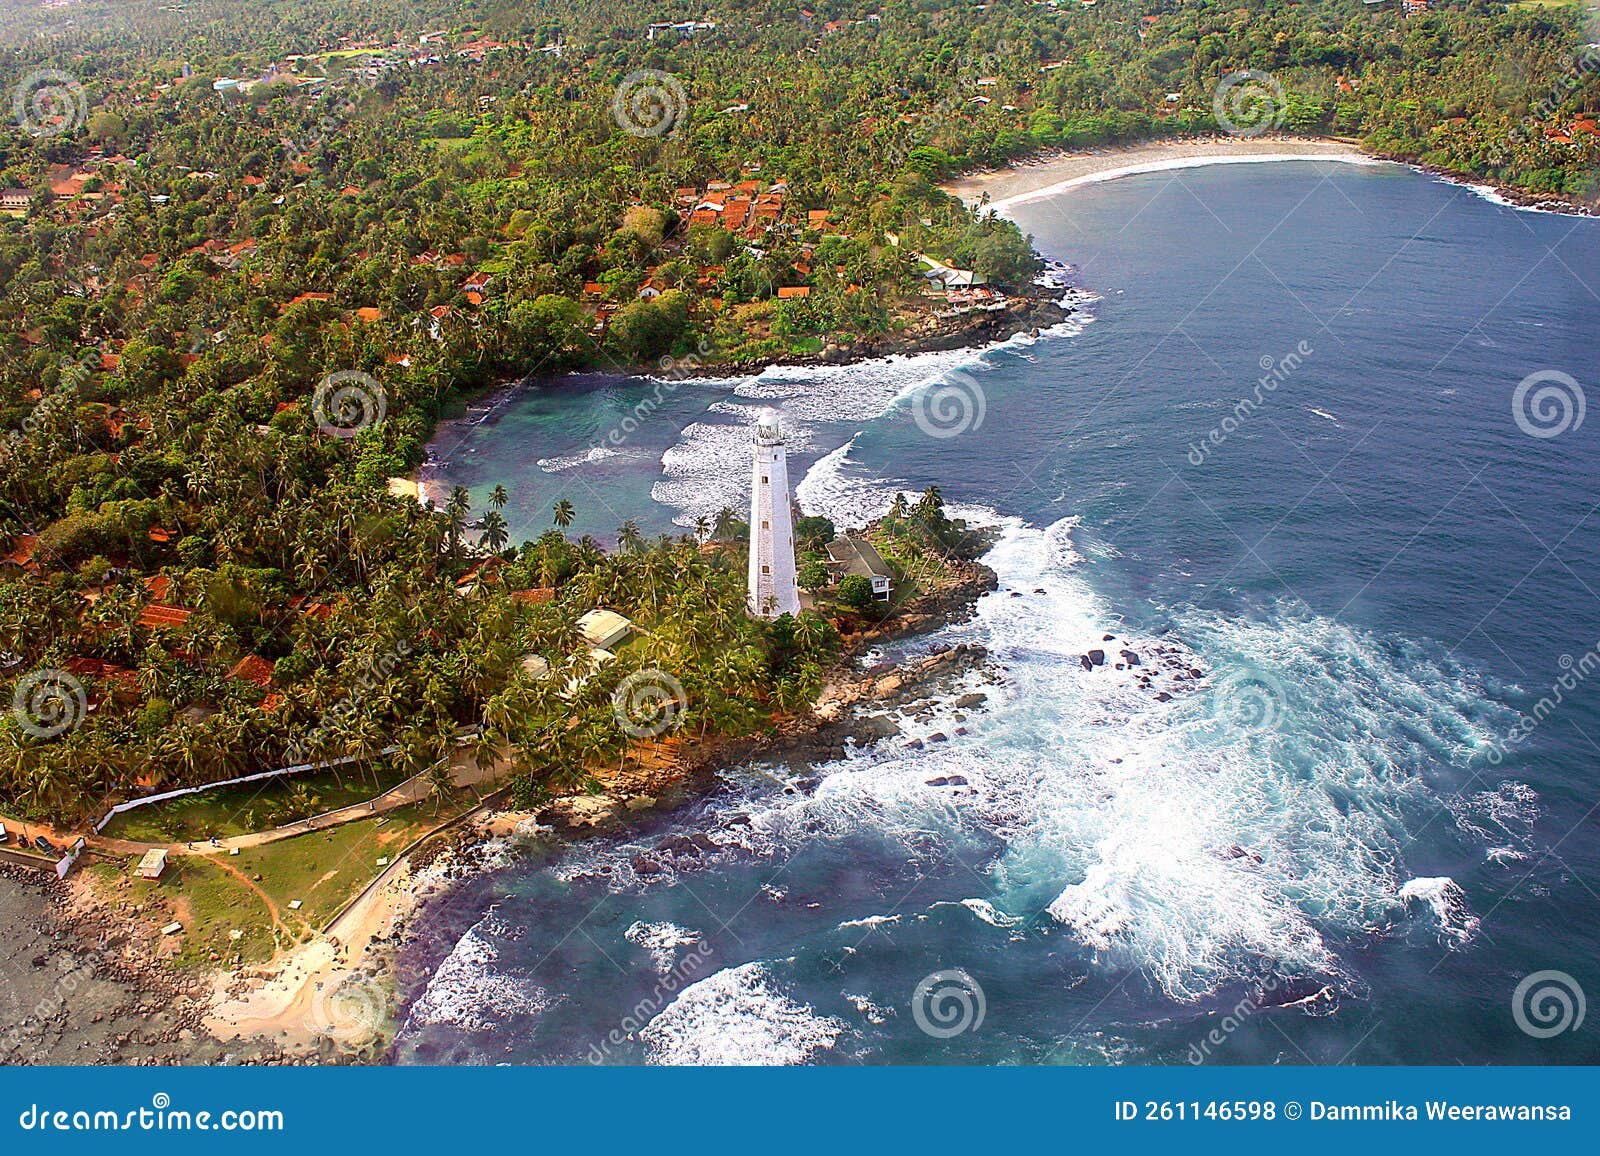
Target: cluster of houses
[744, 208]
[1573, 133]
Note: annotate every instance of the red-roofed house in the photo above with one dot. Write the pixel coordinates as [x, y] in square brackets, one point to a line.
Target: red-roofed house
[253, 668]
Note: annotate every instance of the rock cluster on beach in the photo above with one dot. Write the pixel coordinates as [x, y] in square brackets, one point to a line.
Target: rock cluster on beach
[79, 984]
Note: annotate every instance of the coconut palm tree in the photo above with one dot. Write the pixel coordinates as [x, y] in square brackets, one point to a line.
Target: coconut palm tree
[498, 497]
[455, 512]
[494, 531]
[564, 513]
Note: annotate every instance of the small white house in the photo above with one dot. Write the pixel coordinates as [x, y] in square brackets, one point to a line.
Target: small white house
[858, 556]
[604, 629]
[153, 865]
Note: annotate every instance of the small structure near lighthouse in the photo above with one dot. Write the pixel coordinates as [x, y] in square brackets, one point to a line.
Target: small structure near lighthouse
[773, 588]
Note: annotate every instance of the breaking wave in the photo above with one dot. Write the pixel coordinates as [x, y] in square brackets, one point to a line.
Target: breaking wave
[738, 1016]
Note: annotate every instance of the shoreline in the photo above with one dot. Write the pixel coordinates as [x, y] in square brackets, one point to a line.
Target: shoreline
[334, 997]
[1052, 173]
[1055, 172]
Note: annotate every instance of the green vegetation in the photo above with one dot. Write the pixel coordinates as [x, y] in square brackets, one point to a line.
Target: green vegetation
[250, 807]
[232, 583]
[214, 896]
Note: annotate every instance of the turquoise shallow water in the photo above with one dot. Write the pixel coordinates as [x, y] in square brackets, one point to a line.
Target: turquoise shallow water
[1324, 848]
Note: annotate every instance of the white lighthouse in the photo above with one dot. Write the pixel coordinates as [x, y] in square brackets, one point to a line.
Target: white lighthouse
[773, 589]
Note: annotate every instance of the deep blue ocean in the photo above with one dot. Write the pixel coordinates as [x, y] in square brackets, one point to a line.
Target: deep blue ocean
[1350, 838]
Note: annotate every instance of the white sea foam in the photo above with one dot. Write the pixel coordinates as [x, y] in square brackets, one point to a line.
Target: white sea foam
[570, 461]
[1004, 206]
[662, 941]
[1188, 845]
[469, 991]
[985, 911]
[1255, 823]
[870, 921]
[738, 1017]
[1443, 895]
[709, 466]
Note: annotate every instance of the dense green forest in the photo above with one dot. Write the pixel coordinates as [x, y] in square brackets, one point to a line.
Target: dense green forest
[210, 207]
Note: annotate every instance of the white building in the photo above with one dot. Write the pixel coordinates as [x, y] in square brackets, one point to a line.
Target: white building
[773, 589]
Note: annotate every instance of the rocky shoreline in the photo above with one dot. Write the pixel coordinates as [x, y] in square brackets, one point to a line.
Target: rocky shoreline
[848, 712]
[87, 985]
[78, 985]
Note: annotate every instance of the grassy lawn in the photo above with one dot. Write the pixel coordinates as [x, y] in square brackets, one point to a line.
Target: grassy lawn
[253, 806]
[324, 870]
[208, 901]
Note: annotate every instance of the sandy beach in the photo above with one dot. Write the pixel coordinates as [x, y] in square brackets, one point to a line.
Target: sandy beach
[1055, 173]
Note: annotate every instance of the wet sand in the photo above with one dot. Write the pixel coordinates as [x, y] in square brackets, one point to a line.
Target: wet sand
[70, 994]
[1057, 172]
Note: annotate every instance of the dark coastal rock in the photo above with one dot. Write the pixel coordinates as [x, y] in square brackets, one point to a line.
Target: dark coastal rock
[1087, 665]
[968, 701]
[1130, 657]
[880, 726]
[1108, 638]
[948, 781]
[938, 737]
[1163, 697]
[645, 865]
[914, 745]
[1097, 657]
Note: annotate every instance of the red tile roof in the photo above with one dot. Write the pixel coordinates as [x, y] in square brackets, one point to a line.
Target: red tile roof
[253, 668]
[157, 616]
